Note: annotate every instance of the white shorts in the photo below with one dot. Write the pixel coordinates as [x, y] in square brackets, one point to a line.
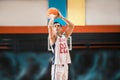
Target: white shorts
[59, 72]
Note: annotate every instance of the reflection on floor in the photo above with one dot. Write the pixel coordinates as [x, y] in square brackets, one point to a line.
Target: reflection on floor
[86, 65]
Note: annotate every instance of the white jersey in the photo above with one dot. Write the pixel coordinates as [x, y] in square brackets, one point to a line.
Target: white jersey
[61, 51]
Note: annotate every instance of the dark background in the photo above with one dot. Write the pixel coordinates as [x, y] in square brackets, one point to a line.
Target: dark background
[95, 56]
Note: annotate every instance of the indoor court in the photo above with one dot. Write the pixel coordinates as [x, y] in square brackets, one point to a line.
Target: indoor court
[94, 45]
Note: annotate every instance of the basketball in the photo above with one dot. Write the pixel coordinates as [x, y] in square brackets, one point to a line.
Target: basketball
[53, 11]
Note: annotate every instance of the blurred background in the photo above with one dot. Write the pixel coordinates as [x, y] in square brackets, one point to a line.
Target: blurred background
[95, 53]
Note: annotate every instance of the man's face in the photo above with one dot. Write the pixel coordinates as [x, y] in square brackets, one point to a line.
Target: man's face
[57, 28]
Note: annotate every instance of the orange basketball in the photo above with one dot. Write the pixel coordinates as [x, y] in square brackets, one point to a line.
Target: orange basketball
[53, 11]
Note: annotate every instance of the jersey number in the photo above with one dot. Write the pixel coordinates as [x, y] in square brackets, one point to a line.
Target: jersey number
[63, 48]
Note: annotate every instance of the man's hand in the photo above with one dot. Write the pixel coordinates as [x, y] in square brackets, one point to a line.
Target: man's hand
[59, 15]
[52, 16]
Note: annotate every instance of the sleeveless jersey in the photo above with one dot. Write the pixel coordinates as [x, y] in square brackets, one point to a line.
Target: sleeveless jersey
[61, 51]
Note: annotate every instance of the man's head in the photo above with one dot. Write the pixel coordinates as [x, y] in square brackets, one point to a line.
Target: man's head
[57, 27]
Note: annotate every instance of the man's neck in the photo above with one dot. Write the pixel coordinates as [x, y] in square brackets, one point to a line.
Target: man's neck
[60, 34]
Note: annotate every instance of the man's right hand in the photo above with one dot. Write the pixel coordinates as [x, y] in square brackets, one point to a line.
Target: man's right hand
[52, 16]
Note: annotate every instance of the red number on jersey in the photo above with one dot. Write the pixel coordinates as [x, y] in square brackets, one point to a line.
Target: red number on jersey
[63, 48]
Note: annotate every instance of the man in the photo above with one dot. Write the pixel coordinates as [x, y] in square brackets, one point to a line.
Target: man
[58, 42]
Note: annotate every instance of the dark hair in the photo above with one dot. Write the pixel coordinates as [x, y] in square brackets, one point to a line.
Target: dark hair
[58, 23]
